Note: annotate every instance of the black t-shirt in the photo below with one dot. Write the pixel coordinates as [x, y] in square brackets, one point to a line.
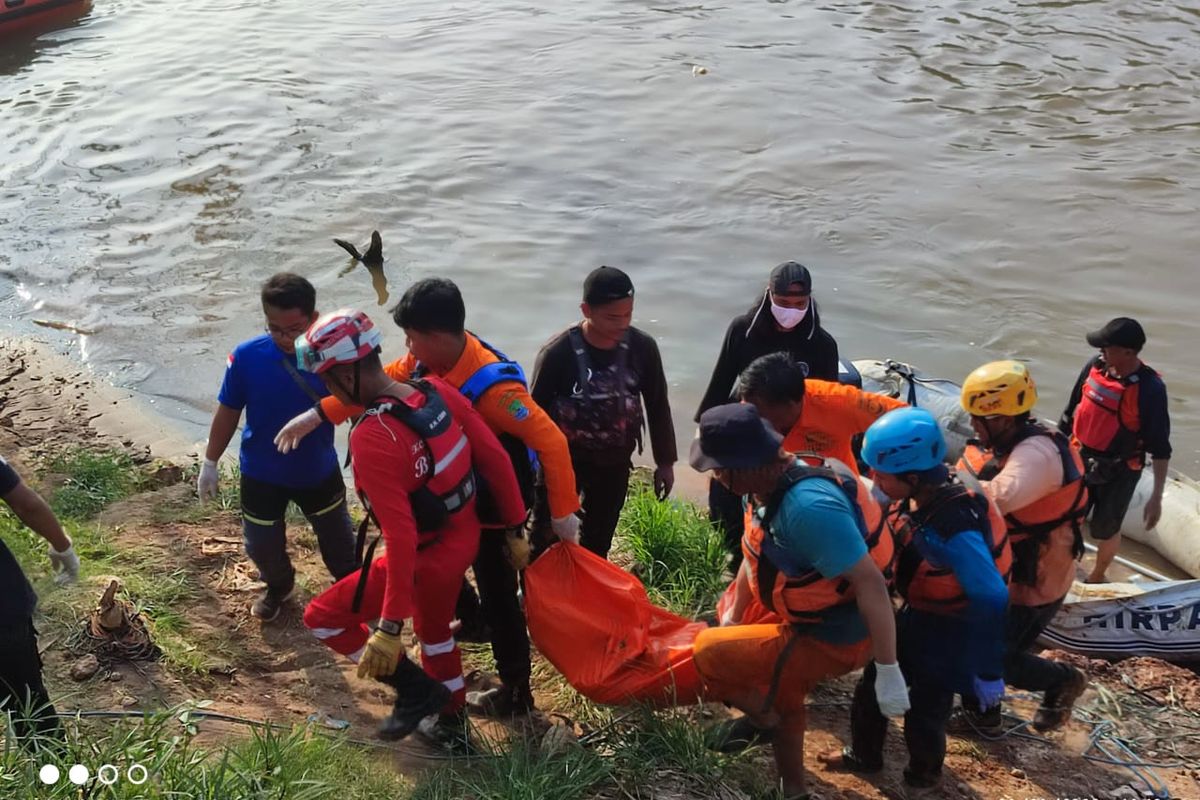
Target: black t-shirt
[17, 598]
[556, 379]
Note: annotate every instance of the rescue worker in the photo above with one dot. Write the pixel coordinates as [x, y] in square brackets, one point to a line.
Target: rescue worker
[418, 455]
[812, 556]
[592, 379]
[783, 320]
[432, 315]
[261, 379]
[952, 563]
[814, 416]
[1034, 475]
[1117, 413]
[22, 691]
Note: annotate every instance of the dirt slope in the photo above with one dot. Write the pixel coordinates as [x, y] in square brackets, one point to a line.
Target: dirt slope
[279, 672]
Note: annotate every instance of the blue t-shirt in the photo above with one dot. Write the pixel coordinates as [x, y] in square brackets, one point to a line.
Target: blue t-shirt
[257, 380]
[816, 527]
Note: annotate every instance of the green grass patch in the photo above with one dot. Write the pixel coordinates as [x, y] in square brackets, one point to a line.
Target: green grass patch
[93, 480]
[227, 501]
[676, 552]
[261, 763]
[519, 771]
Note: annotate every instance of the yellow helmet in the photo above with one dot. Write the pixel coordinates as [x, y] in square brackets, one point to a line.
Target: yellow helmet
[1001, 387]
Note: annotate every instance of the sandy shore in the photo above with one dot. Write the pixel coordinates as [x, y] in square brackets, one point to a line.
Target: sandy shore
[48, 402]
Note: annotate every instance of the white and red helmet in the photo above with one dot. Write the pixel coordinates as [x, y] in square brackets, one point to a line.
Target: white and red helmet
[344, 336]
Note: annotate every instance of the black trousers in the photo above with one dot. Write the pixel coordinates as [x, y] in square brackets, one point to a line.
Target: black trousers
[725, 509]
[1023, 669]
[602, 490]
[924, 725]
[22, 692]
[603, 487]
[497, 603]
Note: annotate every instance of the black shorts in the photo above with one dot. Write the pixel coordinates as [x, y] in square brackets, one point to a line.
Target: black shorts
[266, 503]
[1110, 501]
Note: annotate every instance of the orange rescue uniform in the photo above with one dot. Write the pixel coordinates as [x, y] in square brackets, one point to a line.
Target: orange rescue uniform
[832, 415]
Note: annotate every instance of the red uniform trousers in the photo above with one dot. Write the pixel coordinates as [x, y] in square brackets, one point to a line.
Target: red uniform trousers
[438, 576]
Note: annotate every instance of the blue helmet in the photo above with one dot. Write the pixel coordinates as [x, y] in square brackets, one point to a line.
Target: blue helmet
[904, 440]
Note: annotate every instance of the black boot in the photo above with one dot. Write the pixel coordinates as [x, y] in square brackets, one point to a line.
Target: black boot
[417, 696]
[736, 735]
[449, 732]
[503, 701]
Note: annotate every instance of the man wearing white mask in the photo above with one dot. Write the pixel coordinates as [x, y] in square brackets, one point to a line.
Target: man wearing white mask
[784, 320]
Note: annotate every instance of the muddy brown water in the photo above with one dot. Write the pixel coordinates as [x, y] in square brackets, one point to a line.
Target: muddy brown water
[967, 180]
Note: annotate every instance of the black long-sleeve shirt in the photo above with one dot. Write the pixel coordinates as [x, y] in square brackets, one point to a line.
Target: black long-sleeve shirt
[1154, 420]
[556, 373]
[755, 334]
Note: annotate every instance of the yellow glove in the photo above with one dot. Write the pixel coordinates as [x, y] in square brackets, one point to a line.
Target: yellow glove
[516, 548]
[383, 653]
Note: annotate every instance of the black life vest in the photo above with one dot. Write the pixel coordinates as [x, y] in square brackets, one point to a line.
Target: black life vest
[603, 412]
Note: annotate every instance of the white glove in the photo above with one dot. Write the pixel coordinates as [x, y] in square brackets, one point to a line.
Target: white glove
[891, 690]
[66, 563]
[206, 484]
[566, 528]
[288, 439]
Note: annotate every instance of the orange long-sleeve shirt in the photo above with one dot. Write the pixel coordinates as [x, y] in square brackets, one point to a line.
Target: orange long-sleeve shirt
[832, 415]
[506, 408]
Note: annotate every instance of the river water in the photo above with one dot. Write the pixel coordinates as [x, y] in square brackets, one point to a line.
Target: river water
[968, 180]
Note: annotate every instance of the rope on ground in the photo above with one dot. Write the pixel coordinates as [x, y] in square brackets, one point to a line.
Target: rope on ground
[255, 723]
[1103, 735]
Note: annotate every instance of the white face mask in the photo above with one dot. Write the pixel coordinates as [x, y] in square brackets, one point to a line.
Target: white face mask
[788, 318]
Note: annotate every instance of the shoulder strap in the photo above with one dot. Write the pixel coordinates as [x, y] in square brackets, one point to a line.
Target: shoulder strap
[300, 381]
[794, 474]
[431, 419]
[942, 515]
[583, 364]
[1061, 442]
[487, 376]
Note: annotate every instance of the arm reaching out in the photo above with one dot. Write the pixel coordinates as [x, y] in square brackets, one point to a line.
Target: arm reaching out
[32, 510]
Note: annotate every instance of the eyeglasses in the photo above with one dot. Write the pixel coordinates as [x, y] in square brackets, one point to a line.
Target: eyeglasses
[290, 334]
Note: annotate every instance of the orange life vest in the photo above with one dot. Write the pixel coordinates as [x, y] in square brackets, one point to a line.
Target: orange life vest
[1029, 528]
[953, 510]
[799, 595]
[1106, 420]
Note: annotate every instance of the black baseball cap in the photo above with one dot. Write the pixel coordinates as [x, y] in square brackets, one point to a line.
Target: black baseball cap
[734, 436]
[788, 273]
[606, 285]
[1119, 332]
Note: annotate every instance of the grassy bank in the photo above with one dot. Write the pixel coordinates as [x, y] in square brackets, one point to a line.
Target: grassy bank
[626, 754]
[259, 762]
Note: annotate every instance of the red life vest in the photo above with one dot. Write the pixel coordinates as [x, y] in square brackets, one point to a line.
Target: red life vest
[953, 510]
[1029, 527]
[799, 595]
[1106, 419]
[444, 460]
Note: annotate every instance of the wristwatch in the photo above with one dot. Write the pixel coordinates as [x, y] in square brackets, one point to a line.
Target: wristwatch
[390, 627]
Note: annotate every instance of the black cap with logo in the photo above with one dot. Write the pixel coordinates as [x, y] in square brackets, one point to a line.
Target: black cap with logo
[606, 285]
[1119, 332]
